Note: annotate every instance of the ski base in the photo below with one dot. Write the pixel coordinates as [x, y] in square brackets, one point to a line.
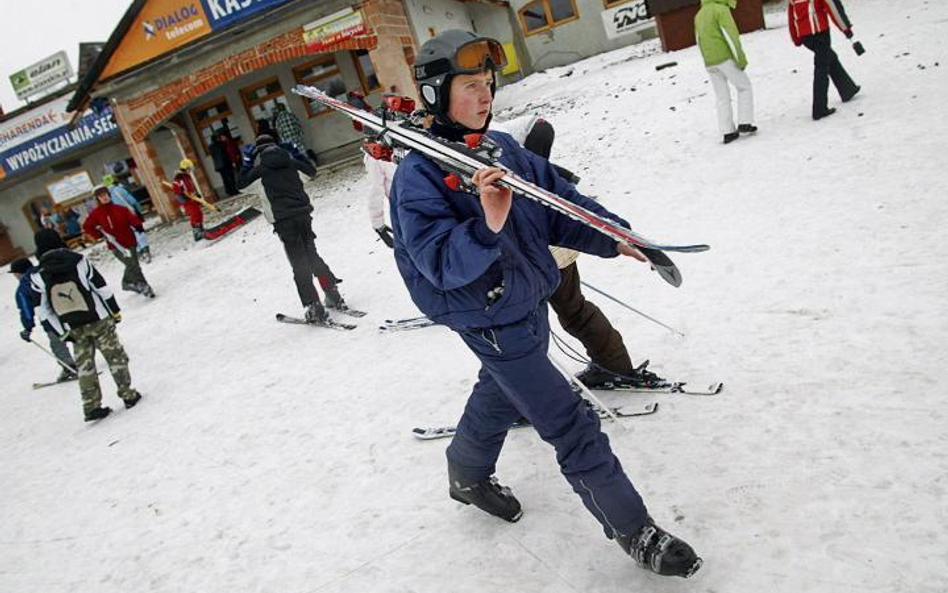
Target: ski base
[51, 383]
[329, 323]
[348, 311]
[406, 324]
[679, 387]
[441, 432]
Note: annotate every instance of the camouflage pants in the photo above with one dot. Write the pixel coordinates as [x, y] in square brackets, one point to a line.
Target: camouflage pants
[100, 334]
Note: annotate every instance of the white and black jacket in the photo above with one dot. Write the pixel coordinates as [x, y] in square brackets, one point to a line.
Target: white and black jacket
[70, 292]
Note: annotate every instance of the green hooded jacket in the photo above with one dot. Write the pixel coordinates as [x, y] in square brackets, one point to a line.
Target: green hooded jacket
[717, 34]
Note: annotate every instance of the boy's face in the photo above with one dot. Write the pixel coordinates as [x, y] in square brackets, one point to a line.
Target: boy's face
[103, 197]
[470, 99]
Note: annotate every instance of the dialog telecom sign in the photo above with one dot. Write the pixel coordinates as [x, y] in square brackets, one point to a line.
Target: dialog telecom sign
[165, 25]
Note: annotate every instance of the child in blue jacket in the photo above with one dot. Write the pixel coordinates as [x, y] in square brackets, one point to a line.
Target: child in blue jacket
[483, 268]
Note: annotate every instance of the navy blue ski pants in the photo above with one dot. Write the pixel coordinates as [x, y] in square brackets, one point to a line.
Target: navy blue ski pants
[518, 380]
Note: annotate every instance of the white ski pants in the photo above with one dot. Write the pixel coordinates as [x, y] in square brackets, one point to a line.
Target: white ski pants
[720, 76]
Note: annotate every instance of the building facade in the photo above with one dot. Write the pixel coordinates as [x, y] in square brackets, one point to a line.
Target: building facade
[176, 73]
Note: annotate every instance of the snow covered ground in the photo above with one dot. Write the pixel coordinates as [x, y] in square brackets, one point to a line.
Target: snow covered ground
[276, 458]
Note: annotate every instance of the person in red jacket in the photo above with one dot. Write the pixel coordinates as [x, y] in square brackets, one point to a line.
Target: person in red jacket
[117, 224]
[182, 186]
[809, 25]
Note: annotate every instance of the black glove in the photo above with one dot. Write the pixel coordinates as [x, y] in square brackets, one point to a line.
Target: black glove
[25, 334]
[385, 233]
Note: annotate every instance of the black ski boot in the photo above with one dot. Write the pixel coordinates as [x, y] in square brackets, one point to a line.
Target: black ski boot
[197, 232]
[98, 413]
[334, 300]
[747, 129]
[487, 495]
[728, 138]
[315, 313]
[596, 377]
[130, 402]
[66, 375]
[657, 550]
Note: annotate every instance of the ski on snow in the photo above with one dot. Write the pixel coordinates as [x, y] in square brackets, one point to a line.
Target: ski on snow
[394, 325]
[441, 432]
[329, 323]
[679, 387]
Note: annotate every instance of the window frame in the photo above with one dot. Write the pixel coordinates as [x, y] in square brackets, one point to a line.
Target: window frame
[547, 11]
[363, 79]
[258, 100]
[209, 121]
[324, 58]
[607, 4]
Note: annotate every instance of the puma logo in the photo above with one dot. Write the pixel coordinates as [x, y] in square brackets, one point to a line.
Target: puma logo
[65, 295]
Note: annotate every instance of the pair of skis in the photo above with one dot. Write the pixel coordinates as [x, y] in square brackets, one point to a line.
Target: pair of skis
[442, 432]
[328, 322]
[678, 387]
[408, 324]
[462, 160]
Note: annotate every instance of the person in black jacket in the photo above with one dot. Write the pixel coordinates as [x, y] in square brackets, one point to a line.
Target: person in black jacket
[74, 302]
[222, 162]
[292, 221]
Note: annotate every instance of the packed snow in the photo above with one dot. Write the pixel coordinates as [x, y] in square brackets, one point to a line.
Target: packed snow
[279, 458]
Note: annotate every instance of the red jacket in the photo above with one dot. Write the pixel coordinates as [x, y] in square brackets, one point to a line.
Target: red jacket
[116, 220]
[809, 17]
[183, 185]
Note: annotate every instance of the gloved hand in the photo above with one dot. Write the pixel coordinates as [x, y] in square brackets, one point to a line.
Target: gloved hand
[64, 337]
[117, 316]
[848, 33]
[247, 156]
[25, 334]
[385, 233]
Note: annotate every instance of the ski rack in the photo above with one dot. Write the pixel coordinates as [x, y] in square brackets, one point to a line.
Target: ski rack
[457, 157]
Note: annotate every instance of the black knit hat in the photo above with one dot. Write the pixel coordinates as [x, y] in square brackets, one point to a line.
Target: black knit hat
[264, 139]
[20, 266]
[47, 240]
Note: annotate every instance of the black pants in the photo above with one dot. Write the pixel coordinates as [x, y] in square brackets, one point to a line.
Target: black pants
[585, 322]
[299, 241]
[826, 66]
[230, 182]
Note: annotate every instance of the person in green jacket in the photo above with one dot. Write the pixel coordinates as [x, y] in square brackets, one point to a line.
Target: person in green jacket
[720, 45]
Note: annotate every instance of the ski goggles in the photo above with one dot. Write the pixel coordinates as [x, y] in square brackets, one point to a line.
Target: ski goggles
[479, 55]
[471, 58]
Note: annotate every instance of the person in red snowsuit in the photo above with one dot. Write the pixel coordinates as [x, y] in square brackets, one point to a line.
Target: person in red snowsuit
[182, 186]
[117, 224]
[808, 21]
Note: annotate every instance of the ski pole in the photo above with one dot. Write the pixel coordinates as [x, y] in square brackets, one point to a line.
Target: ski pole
[586, 392]
[61, 363]
[633, 309]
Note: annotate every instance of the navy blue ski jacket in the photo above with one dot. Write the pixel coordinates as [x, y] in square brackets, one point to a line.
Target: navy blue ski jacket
[450, 260]
[24, 300]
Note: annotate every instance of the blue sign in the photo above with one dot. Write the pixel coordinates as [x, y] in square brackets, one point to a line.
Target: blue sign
[56, 143]
[223, 13]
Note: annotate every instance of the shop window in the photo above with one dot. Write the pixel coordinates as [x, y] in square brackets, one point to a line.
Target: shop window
[542, 15]
[210, 118]
[261, 99]
[323, 74]
[370, 82]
